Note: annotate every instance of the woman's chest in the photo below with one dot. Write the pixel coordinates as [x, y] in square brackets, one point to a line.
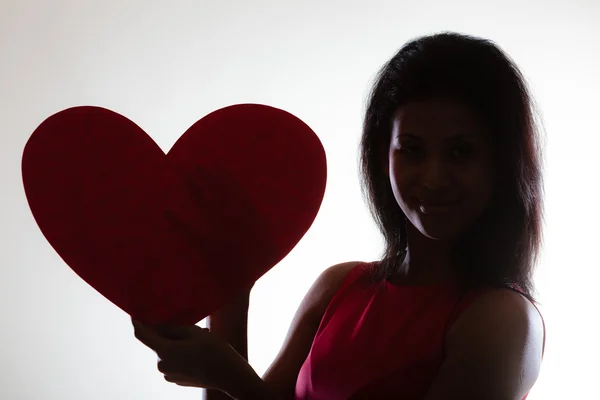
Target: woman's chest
[374, 345]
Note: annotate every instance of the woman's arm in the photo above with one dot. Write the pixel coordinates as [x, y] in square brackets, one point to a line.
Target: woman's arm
[494, 350]
[231, 324]
[279, 381]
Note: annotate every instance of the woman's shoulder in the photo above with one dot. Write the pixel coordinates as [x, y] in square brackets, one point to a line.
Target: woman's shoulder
[339, 271]
[508, 301]
[332, 278]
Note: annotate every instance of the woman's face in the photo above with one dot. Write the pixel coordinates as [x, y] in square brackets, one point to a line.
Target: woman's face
[439, 166]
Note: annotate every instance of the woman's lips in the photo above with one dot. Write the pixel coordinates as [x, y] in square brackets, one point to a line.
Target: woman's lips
[437, 208]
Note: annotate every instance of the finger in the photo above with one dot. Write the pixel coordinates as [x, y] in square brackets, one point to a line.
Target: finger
[165, 367]
[187, 384]
[173, 332]
[180, 380]
[147, 336]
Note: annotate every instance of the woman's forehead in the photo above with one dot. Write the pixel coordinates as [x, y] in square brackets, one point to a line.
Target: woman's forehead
[438, 117]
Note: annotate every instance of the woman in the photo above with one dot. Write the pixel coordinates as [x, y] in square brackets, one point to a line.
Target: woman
[451, 164]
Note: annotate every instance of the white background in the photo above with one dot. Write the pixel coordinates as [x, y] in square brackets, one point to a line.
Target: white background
[164, 65]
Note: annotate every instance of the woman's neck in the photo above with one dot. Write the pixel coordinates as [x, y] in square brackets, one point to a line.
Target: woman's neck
[426, 260]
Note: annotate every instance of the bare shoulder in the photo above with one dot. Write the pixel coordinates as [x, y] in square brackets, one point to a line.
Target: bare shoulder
[332, 277]
[495, 346]
[504, 306]
[501, 311]
[327, 284]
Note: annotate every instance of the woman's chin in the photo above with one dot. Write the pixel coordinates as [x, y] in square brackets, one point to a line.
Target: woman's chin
[439, 232]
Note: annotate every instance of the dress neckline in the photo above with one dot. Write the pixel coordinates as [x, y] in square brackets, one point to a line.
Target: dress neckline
[447, 283]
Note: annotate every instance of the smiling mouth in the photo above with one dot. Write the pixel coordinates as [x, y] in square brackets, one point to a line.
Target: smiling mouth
[437, 208]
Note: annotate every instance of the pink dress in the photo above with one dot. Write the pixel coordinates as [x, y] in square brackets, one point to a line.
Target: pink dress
[380, 341]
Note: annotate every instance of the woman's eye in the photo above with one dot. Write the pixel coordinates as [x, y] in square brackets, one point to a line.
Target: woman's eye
[463, 151]
[409, 150]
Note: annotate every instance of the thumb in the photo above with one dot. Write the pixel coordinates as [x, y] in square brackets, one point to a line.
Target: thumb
[147, 336]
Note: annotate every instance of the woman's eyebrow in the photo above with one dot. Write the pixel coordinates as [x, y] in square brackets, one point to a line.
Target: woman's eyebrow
[410, 135]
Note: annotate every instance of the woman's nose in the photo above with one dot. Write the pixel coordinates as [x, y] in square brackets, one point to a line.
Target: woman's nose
[436, 174]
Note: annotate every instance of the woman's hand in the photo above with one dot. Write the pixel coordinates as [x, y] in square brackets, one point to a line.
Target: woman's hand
[191, 356]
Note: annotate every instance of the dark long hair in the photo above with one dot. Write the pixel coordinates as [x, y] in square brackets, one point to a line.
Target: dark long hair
[503, 246]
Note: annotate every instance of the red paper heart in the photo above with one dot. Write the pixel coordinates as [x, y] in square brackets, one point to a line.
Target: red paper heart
[169, 238]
